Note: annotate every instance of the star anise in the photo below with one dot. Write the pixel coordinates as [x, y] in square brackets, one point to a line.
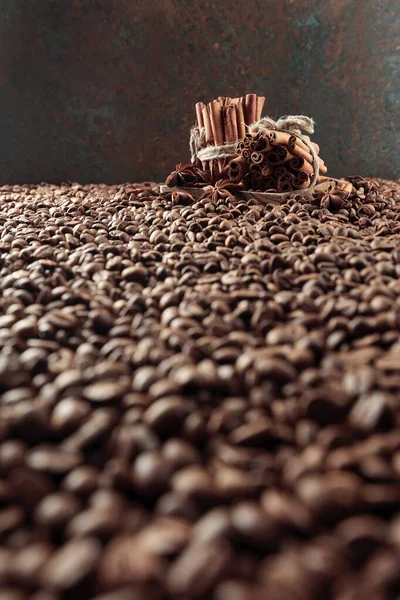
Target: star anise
[222, 189]
[188, 175]
[203, 178]
[334, 199]
[183, 175]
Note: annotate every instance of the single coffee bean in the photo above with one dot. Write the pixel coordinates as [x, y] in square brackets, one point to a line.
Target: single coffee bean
[12, 454]
[238, 589]
[55, 510]
[173, 504]
[12, 593]
[52, 460]
[29, 561]
[254, 526]
[214, 524]
[198, 568]
[82, 480]
[11, 517]
[180, 453]
[30, 486]
[104, 391]
[70, 564]
[94, 522]
[68, 414]
[165, 536]
[166, 415]
[151, 472]
[124, 562]
[362, 535]
[193, 481]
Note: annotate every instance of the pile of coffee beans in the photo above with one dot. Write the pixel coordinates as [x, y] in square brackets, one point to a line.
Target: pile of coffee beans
[199, 398]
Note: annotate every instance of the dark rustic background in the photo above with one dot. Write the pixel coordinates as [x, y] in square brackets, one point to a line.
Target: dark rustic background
[104, 90]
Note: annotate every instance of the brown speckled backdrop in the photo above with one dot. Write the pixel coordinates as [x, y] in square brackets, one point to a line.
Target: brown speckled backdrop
[103, 90]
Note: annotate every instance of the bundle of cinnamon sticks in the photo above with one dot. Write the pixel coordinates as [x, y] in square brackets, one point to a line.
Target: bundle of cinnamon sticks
[225, 121]
[258, 159]
[273, 161]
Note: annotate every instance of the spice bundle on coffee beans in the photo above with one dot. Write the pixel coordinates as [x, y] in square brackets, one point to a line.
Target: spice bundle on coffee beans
[233, 143]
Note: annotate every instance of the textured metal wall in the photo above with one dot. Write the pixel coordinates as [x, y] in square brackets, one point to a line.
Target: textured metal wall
[104, 90]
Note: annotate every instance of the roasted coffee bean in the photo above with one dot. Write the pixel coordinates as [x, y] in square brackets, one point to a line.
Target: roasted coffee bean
[237, 589]
[330, 496]
[165, 536]
[167, 414]
[55, 510]
[173, 504]
[133, 592]
[97, 522]
[286, 510]
[11, 517]
[28, 562]
[12, 593]
[214, 524]
[198, 568]
[6, 558]
[104, 391]
[30, 486]
[12, 454]
[180, 453]
[71, 564]
[151, 473]
[52, 460]
[362, 535]
[193, 481]
[254, 526]
[69, 414]
[82, 480]
[45, 595]
[124, 562]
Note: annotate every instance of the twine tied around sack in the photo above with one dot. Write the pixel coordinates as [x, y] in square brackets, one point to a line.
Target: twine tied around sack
[293, 124]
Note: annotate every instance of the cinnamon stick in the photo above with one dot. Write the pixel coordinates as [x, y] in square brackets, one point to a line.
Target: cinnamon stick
[237, 169]
[215, 109]
[298, 163]
[316, 147]
[277, 156]
[199, 114]
[260, 106]
[200, 121]
[322, 166]
[269, 183]
[266, 171]
[279, 137]
[250, 108]
[255, 171]
[207, 126]
[230, 123]
[262, 144]
[248, 138]
[217, 126]
[257, 158]
[279, 171]
[240, 147]
[297, 151]
[301, 181]
[285, 183]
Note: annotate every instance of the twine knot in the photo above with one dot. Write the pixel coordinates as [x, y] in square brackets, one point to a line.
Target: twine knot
[288, 123]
